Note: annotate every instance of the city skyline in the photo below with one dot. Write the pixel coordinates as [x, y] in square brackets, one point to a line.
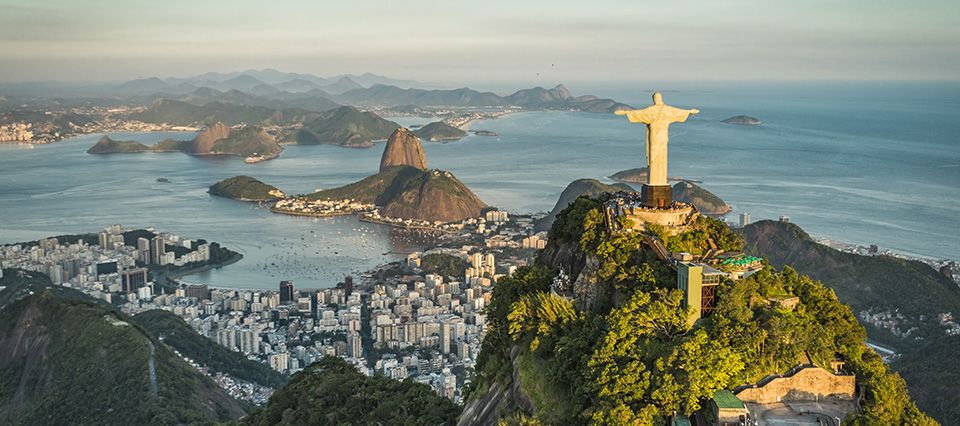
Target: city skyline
[532, 42]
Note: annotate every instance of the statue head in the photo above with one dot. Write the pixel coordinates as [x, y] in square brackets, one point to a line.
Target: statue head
[657, 98]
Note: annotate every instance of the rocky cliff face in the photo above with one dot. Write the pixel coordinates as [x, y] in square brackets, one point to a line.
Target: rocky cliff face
[204, 141]
[435, 195]
[403, 149]
[500, 399]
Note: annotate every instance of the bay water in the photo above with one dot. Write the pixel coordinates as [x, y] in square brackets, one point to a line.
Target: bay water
[865, 163]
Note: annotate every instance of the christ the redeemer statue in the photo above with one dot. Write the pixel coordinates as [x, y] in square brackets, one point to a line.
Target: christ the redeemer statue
[657, 117]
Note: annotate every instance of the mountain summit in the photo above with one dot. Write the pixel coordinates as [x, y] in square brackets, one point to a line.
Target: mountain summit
[403, 149]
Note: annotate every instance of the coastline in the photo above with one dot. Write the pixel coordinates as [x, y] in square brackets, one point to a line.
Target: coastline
[261, 158]
[841, 246]
[365, 218]
[68, 136]
[166, 278]
[861, 250]
[469, 120]
[304, 214]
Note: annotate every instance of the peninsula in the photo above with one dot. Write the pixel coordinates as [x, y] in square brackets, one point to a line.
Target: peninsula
[403, 193]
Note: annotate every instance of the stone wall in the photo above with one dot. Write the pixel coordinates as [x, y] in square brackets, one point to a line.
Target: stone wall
[674, 220]
[806, 384]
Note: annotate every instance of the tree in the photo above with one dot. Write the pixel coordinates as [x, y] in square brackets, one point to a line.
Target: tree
[539, 315]
[649, 365]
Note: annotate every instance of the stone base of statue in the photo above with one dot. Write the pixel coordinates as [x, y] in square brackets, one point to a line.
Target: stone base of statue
[657, 196]
[673, 218]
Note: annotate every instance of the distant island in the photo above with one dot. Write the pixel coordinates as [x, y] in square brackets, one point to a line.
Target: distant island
[245, 188]
[217, 139]
[439, 131]
[743, 120]
[484, 133]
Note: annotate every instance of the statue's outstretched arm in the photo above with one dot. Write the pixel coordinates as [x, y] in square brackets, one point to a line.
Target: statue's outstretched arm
[694, 111]
[621, 112]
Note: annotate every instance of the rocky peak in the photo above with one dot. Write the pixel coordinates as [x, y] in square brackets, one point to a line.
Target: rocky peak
[434, 195]
[403, 149]
[561, 92]
[204, 141]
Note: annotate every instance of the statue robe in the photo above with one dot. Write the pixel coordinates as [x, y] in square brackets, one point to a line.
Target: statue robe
[658, 119]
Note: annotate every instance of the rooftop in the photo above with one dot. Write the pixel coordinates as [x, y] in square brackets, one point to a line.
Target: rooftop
[741, 261]
[726, 399]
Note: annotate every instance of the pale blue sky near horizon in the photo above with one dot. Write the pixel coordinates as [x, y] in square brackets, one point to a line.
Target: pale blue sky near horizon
[494, 41]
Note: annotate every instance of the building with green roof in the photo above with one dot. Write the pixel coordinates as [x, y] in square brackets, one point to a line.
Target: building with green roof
[728, 409]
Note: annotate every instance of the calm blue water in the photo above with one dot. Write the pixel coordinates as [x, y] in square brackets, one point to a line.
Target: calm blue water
[863, 163]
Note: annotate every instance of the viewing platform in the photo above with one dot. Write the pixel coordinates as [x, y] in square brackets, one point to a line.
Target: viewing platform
[674, 217]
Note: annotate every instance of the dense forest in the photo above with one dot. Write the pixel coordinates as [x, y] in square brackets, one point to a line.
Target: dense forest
[632, 358]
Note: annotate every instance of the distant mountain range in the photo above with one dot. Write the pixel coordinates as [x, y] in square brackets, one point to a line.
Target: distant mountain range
[186, 114]
[206, 105]
[558, 97]
[278, 90]
[260, 82]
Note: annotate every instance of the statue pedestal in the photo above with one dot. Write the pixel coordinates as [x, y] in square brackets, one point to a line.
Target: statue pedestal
[658, 196]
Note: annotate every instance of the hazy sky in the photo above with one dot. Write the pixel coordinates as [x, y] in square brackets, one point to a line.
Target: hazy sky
[485, 41]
